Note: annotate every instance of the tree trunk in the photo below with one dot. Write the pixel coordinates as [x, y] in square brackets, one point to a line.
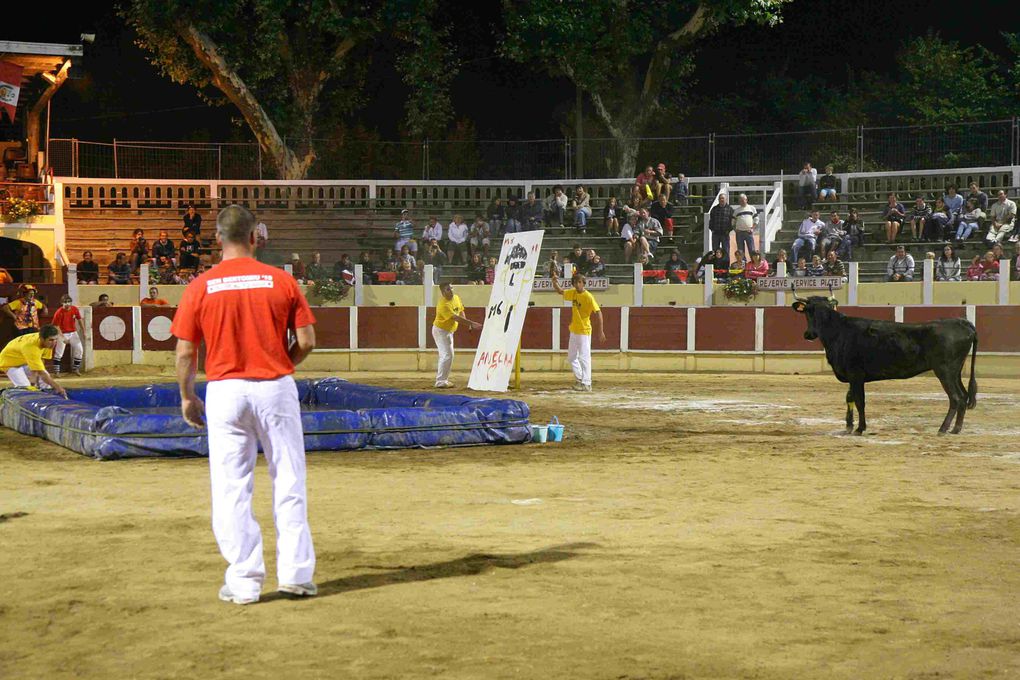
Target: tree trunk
[33, 122]
[228, 81]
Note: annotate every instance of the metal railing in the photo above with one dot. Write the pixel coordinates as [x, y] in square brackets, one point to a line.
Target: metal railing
[859, 149]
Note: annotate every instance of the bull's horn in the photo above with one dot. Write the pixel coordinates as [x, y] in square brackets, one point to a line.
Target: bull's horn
[793, 289]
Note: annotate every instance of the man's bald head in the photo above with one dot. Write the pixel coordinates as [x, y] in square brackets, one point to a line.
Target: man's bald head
[235, 224]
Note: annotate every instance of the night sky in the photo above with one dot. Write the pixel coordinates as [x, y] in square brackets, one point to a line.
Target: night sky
[119, 94]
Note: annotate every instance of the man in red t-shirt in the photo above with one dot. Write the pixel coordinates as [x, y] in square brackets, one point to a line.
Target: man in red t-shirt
[68, 320]
[243, 310]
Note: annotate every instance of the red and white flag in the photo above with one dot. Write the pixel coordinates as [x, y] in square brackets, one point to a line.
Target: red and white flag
[10, 87]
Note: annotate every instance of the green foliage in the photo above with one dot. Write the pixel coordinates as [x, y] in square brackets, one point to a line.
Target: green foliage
[740, 289]
[943, 82]
[328, 290]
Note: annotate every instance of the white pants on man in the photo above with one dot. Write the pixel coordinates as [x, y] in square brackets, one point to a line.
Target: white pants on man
[19, 375]
[579, 356]
[65, 339]
[240, 414]
[444, 343]
[1000, 234]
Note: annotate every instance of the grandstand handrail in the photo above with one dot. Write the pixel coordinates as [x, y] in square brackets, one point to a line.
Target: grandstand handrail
[773, 219]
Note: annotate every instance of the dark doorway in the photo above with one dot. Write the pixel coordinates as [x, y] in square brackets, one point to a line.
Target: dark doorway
[24, 261]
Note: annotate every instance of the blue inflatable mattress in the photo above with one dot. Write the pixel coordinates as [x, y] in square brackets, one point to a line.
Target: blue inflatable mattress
[130, 422]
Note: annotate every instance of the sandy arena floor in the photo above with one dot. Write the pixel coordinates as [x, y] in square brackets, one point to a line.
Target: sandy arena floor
[690, 527]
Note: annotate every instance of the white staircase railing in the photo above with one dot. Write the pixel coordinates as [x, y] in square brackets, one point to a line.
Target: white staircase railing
[770, 210]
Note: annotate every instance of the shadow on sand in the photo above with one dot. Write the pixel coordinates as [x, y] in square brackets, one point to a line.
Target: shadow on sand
[470, 565]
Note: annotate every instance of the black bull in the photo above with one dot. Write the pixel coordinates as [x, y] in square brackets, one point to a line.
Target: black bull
[865, 350]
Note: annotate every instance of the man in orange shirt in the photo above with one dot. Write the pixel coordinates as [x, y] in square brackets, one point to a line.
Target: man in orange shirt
[243, 310]
[154, 300]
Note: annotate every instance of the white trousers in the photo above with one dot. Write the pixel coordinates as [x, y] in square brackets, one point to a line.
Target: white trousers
[444, 343]
[19, 376]
[71, 339]
[579, 356]
[239, 415]
[999, 235]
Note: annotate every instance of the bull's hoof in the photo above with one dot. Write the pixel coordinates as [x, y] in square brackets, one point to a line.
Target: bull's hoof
[942, 432]
[858, 432]
[956, 430]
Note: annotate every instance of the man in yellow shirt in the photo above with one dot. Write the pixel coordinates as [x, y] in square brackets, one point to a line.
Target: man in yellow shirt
[449, 312]
[579, 349]
[25, 353]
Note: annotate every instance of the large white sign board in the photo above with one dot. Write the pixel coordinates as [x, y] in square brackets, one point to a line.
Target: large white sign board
[504, 318]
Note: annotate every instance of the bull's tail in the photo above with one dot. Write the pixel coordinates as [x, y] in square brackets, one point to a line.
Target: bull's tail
[972, 386]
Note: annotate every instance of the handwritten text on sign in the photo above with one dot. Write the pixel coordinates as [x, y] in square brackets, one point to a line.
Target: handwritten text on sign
[504, 317]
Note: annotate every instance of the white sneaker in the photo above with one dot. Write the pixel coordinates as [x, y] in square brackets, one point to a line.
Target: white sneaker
[587, 388]
[228, 596]
[578, 387]
[299, 589]
[444, 385]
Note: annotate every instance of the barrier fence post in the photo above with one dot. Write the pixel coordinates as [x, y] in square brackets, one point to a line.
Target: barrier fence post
[709, 284]
[1003, 282]
[353, 322]
[851, 296]
[557, 314]
[289, 269]
[359, 284]
[780, 294]
[143, 282]
[428, 283]
[89, 360]
[639, 285]
[624, 329]
[72, 282]
[136, 335]
[929, 281]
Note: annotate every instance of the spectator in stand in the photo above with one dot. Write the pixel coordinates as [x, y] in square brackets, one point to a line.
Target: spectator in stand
[189, 251]
[596, 268]
[651, 230]
[637, 201]
[633, 245]
[166, 272]
[833, 266]
[553, 209]
[807, 234]
[947, 267]
[646, 184]
[406, 256]
[663, 182]
[192, 222]
[816, 268]
[1003, 220]
[88, 269]
[720, 222]
[756, 267]
[368, 268]
[495, 213]
[490, 271]
[1015, 269]
[975, 270]
[717, 260]
[681, 191]
[989, 267]
[745, 219]
[854, 227]
[900, 267]
[531, 213]
[433, 230]
[613, 217]
[578, 258]
[894, 214]
[457, 236]
[164, 247]
[139, 249]
[662, 210]
[737, 266]
[476, 270]
[478, 236]
[316, 271]
[676, 268]
[297, 267]
[980, 197]
[513, 215]
[919, 217]
[392, 261]
[801, 268]
[404, 232]
[581, 205]
[806, 182]
[970, 221]
[781, 257]
[939, 226]
[954, 204]
[154, 300]
[408, 275]
[261, 240]
[554, 267]
[434, 256]
[120, 271]
[832, 234]
[827, 186]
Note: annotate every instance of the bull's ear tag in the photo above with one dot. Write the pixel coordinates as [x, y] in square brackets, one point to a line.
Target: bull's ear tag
[798, 306]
